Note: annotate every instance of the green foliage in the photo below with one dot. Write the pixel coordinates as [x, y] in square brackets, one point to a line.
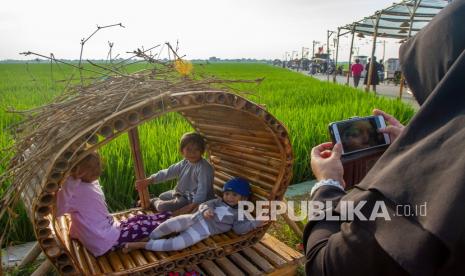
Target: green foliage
[306, 105]
[303, 104]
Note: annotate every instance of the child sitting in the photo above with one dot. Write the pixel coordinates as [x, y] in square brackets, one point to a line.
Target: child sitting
[213, 217]
[195, 178]
[82, 197]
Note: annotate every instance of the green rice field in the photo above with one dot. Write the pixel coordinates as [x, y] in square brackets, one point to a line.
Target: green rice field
[303, 104]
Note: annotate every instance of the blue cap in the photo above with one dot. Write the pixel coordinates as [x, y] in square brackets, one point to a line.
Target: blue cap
[238, 185]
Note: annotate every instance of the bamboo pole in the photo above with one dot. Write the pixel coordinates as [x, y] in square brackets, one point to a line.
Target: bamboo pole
[91, 261]
[337, 55]
[192, 259]
[243, 173]
[210, 242]
[217, 238]
[201, 256]
[48, 242]
[104, 264]
[31, 255]
[234, 130]
[138, 257]
[350, 53]
[370, 69]
[219, 252]
[293, 225]
[115, 261]
[80, 257]
[226, 123]
[412, 16]
[210, 254]
[266, 147]
[242, 167]
[67, 269]
[401, 85]
[168, 266]
[240, 149]
[272, 164]
[65, 231]
[271, 173]
[240, 137]
[161, 255]
[328, 35]
[139, 166]
[126, 259]
[151, 258]
[43, 268]
[52, 251]
[181, 262]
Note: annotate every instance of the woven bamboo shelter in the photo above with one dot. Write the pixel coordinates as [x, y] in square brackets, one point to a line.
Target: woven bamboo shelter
[243, 139]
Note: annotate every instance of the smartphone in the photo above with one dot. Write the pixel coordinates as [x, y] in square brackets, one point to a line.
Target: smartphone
[359, 134]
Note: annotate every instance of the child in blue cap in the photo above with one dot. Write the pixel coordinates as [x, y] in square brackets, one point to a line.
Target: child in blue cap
[215, 216]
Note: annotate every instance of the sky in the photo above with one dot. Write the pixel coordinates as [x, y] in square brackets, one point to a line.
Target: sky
[228, 29]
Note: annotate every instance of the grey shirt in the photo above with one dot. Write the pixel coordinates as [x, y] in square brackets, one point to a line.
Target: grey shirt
[225, 219]
[195, 180]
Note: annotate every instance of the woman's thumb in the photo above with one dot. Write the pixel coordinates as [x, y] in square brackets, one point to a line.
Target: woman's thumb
[337, 151]
[389, 130]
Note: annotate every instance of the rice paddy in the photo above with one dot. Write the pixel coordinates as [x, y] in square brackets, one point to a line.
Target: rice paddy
[305, 105]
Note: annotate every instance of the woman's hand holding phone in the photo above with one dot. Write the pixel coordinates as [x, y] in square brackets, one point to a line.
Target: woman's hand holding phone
[394, 129]
[326, 162]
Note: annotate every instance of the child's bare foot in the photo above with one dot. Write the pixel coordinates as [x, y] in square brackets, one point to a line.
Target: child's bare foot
[126, 249]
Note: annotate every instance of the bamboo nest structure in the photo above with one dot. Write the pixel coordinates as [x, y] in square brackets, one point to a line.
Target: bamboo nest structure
[243, 139]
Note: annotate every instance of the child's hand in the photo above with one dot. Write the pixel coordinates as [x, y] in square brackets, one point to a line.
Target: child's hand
[208, 214]
[141, 184]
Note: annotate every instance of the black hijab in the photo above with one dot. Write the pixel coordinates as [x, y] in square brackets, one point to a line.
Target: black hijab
[427, 162]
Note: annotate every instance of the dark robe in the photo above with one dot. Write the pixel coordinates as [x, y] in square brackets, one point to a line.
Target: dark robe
[426, 164]
[374, 74]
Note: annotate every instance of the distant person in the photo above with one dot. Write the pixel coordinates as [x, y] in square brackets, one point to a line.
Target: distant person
[380, 70]
[374, 78]
[357, 70]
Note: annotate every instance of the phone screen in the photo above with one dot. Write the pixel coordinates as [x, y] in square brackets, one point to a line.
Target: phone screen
[361, 133]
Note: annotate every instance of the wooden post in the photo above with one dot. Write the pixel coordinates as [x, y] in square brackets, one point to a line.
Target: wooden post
[138, 165]
[370, 69]
[350, 55]
[337, 54]
[401, 86]
[412, 15]
[327, 52]
[297, 227]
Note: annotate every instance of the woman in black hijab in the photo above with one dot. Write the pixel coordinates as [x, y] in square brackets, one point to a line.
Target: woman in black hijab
[425, 166]
[374, 81]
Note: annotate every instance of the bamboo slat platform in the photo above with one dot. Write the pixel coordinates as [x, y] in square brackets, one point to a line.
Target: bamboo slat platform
[212, 256]
[268, 257]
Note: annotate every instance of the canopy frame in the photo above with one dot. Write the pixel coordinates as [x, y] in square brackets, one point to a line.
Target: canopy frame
[398, 21]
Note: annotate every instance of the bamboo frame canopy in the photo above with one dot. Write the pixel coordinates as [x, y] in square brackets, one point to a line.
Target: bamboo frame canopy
[400, 20]
[243, 139]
